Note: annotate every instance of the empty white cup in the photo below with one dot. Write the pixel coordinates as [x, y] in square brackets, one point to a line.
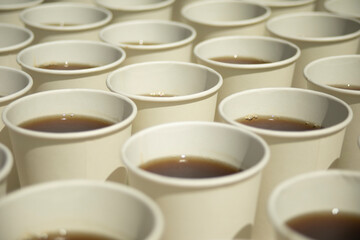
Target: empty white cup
[317, 34]
[10, 10]
[167, 91]
[280, 7]
[350, 8]
[113, 210]
[62, 21]
[151, 40]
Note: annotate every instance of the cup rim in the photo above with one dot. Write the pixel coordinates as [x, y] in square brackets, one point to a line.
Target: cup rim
[188, 97]
[70, 135]
[157, 214]
[72, 72]
[82, 6]
[21, 91]
[292, 59]
[312, 39]
[330, 8]
[162, 46]
[203, 182]
[133, 8]
[287, 134]
[7, 165]
[285, 184]
[20, 45]
[21, 5]
[285, 4]
[325, 86]
[243, 22]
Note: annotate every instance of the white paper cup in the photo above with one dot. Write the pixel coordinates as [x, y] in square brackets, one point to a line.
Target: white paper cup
[103, 56]
[282, 56]
[13, 39]
[169, 40]
[280, 7]
[6, 165]
[215, 18]
[318, 35]
[65, 21]
[113, 210]
[323, 191]
[124, 10]
[10, 10]
[350, 8]
[209, 208]
[193, 89]
[292, 152]
[47, 156]
[340, 70]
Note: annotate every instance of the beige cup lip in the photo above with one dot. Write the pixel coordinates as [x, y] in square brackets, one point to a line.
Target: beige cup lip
[162, 46]
[285, 4]
[80, 6]
[196, 183]
[287, 134]
[18, 45]
[271, 204]
[286, 16]
[72, 72]
[71, 135]
[7, 165]
[93, 184]
[327, 87]
[115, 6]
[182, 98]
[292, 59]
[242, 22]
[21, 5]
[333, 9]
[20, 92]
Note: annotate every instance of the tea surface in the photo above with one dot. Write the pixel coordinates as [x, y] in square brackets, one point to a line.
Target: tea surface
[69, 236]
[65, 66]
[238, 60]
[346, 86]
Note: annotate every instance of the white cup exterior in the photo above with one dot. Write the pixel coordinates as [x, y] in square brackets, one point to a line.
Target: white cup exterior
[82, 206]
[292, 153]
[215, 18]
[340, 70]
[173, 40]
[194, 88]
[312, 192]
[280, 7]
[212, 208]
[317, 34]
[105, 57]
[13, 39]
[6, 165]
[84, 21]
[45, 156]
[124, 10]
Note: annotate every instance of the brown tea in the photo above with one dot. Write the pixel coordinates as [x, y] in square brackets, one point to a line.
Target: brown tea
[189, 167]
[158, 94]
[327, 225]
[238, 60]
[69, 236]
[61, 24]
[65, 66]
[63, 123]
[346, 86]
[141, 43]
[278, 123]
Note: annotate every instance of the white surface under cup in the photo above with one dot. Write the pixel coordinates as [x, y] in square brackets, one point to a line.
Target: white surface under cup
[124, 10]
[292, 152]
[10, 10]
[318, 34]
[50, 156]
[6, 165]
[282, 56]
[215, 18]
[343, 70]
[114, 210]
[13, 39]
[208, 208]
[151, 40]
[62, 21]
[329, 191]
[191, 88]
[104, 57]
